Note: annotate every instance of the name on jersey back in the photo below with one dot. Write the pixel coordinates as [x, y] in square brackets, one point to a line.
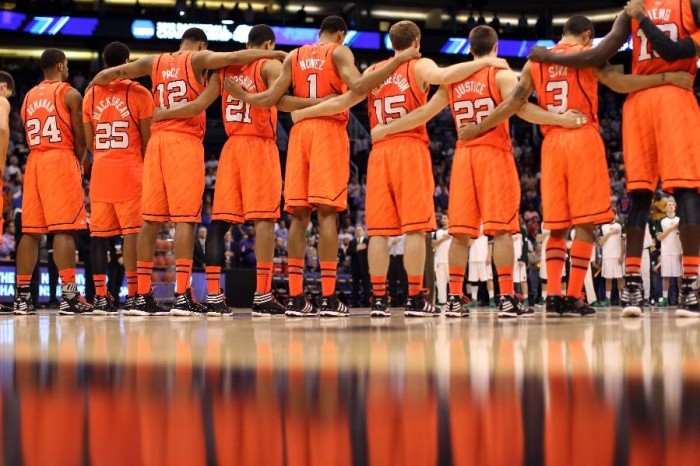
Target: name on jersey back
[470, 87]
[311, 64]
[659, 14]
[396, 78]
[41, 103]
[110, 102]
[245, 81]
[557, 71]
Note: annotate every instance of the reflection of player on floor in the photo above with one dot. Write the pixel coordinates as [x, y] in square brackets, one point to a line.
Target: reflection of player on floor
[671, 251]
[173, 182]
[117, 122]
[53, 199]
[7, 89]
[660, 128]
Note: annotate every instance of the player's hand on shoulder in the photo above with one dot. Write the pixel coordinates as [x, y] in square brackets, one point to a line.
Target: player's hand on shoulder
[573, 119]
[280, 54]
[635, 9]
[468, 132]
[233, 88]
[497, 62]
[538, 53]
[681, 79]
[408, 54]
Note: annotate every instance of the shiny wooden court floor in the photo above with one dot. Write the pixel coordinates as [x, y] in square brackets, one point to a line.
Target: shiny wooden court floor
[355, 391]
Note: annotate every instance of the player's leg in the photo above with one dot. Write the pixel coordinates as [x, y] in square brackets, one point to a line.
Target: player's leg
[27, 256]
[104, 223]
[378, 256]
[145, 250]
[99, 247]
[297, 306]
[414, 261]
[581, 250]
[458, 258]
[264, 302]
[183, 248]
[214, 257]
[666, 285]
[503, 259]
[688, 201]
[608, 289]
[556, 258]
[130, 258]
[328, 248]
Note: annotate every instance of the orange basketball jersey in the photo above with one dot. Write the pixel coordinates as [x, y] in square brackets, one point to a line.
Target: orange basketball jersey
[115, 112]
[240, 118]
[560, 88]
[395, 97]
[315, 76]
[676, 19]
[47, 120]
[474, 99]
[174, 83]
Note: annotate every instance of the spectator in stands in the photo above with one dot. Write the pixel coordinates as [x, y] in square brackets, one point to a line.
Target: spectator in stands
[311, 255]
[282, 232]
[7, 248]
[280, 248]
[248, 259]
[359, 265]
[198, 258]
[231, 252]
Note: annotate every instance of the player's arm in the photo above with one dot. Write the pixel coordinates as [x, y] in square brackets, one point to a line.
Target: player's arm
[87, 119]
[133, 70]
[270, 71]
[208, 60]
[332, 106]
[628, 83]
[415, 118]
[344, 61]
[74, 102]
[428, 71]
[660, 42]
[272, 95]
[4, 131]
[197, 106]
[592, 58]
[145, 115]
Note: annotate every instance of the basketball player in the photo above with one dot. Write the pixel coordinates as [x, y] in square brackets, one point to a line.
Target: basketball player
[117, 121]
[484, 183]
[7, 89]
[173, 181]
[575, 189]
[249, 155]
[53, 200]
[659, 132]
[318, 166]
[671, 251]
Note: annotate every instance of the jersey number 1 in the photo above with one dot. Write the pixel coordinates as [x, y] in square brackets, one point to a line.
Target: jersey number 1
[177, 90]
[671, 30]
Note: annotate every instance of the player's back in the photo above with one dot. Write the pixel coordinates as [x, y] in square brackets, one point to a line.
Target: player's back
[240, 118]
[47, 119]
[397, 96]
[560, 89]
[314, 74]
[175, 83]
[675, 18]
[474, 99]
[115, 112]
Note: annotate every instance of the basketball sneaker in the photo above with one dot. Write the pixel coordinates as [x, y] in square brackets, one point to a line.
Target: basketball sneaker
[418, 306]
[72, 302]
[23, 304]
[265, 305]
[457, 306]
[104, 306]
[331, 306]
[216, 305]
[5, 310]
[184, 304]
[298, 306]
[510, 307]
[553, 305]
[689, 300]
[128, 304]
[632, 296]
[380, 307]
[576, 307]
[145, 305]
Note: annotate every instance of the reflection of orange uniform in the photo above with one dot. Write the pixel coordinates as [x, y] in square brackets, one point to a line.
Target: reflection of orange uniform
[53, 198]
[173, 172]
[249, 180]
[400, 184]
[318, 155]
[575, 182]
[115, 112]
[484, 185]
[660, 125]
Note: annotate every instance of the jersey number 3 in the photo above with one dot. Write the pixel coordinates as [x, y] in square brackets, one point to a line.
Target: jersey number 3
[559, 92]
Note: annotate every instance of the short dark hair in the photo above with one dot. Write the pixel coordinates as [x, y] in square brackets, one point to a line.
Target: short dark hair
[195, 35]
[7, 78]
[50, 58]
[482, 40]
[259, 34]
[403, 34]
[116, 54]
[334, 24]
[577, 25]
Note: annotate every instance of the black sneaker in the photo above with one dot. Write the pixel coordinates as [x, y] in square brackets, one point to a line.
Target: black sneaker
[577, 307]
[184, 305]
[689, 300]
[73, 303]
[265, 305]
[298, 306]
[5, 310]
[129, 303]
[331, 306]
[104, 306]
[418, 306]
[632, 296]
[145, 305]
[23, 305]
[554, 306]
[456, 306]
[380, 307]
[216, 305]
[510, 307]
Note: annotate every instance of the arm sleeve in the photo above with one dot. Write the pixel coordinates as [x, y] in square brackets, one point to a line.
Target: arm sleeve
[664, 46]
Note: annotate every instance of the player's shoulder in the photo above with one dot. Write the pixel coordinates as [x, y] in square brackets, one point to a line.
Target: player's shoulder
[5, 104]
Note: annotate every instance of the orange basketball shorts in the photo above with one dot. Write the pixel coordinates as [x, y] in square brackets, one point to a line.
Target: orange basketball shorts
[115, 218]
[400, 188]
[318, 165]
[53, 198]
[575, 181]
[248, 181]
[484, 187]
[173, 178]
[660, 128]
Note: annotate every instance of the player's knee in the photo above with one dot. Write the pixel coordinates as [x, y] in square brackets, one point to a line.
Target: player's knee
[639, 210]
[688, 204]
